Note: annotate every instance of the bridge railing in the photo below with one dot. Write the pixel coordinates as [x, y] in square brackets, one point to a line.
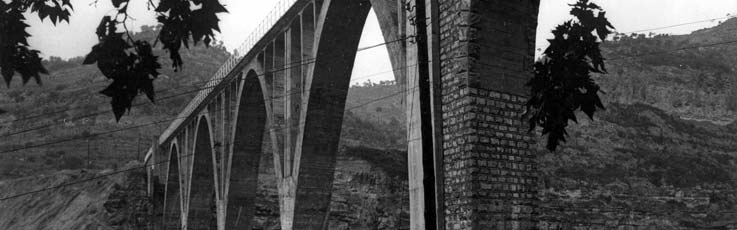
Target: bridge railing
[256, 35]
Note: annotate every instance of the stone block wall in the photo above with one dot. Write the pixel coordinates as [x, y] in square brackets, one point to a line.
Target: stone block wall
[487, 48]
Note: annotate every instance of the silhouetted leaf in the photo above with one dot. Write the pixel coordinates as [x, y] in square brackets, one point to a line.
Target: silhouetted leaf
[117, 3]
[91, 57]
[181, 22]
[122, 62]
[562, 82]
[130, 64]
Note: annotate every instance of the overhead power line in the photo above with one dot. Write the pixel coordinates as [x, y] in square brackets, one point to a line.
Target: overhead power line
[680, 24]
[143, 125]
[196, 84]
[672, 50]
[286, 67]
[180, 157]
[481, 63]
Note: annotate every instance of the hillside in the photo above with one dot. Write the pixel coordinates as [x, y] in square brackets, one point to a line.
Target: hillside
[117, 202]
[640, 166]
[662, 156]
[374, 117]
[695, 83]
[70, 91]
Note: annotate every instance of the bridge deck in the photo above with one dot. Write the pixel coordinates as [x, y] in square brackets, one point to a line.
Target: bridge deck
[279, 16]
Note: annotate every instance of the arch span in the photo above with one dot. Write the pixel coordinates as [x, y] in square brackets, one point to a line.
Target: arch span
[201, 213]
[172, 201]
[247, 143]
[339, 30]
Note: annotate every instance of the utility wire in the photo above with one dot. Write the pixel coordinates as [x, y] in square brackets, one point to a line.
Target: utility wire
[481, 63]
[374, 46]
[165, 161]
[306, 61]
[679, 25]
[287, 67]
[161, 121]
[672, 50]
[289, 93]
[197, 83]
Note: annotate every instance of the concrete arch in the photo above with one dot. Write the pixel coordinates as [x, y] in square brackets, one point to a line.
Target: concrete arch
[256, 70]
[247, 142]
[339, 30]
[172, 201]
[201, 213]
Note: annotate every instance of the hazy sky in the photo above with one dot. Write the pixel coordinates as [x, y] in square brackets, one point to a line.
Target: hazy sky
[76, 38]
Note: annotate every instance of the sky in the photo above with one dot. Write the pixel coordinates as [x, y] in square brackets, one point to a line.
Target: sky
[77, 37]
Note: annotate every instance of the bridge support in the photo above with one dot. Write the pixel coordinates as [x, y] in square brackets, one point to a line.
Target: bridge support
[463, 64]
[486, 53]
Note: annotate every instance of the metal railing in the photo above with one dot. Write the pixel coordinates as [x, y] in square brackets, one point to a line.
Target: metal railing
[256, 35]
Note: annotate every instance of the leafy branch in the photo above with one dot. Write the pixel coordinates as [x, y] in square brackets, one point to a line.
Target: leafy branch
[15, 54]
[562, 82]
[130, 63]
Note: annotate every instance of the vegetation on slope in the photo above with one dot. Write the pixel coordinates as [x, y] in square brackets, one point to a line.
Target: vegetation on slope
[115, 202]
[61, 108]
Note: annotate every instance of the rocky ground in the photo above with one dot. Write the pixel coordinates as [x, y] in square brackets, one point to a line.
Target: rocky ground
[76, 199]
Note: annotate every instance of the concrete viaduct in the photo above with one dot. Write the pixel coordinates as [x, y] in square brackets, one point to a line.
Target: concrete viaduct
[463, 65]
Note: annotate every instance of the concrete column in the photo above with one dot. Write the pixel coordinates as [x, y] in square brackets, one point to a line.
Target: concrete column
[308, 44]
[231, 103]
[294, 86]
[267, 82]
[186, 161]
[420, 151]
[216, 111]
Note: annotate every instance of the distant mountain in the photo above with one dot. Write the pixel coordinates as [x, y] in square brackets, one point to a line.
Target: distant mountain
[686, 75]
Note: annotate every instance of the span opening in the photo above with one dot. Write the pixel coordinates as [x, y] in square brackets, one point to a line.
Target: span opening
[246, 159]
[371, 165]
[172, 203]
[202, 210]
[340, 29]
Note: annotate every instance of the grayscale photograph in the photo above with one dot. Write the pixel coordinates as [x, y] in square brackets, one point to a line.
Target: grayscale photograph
[368, 115]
